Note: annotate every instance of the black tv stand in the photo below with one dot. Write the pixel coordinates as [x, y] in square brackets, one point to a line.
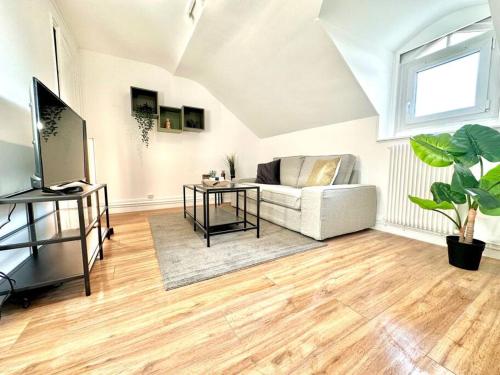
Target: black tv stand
[65, 255]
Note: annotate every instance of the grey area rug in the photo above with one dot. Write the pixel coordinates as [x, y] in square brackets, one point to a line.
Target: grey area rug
[184, 258]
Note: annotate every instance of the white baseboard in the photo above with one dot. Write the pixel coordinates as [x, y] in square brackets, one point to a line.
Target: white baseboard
[492, 250]
[132, 205]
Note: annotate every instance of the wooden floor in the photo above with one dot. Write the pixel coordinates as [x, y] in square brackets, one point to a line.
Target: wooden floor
[368, 303]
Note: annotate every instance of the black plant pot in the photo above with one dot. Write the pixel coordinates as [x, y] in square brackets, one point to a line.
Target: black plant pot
[464, 255]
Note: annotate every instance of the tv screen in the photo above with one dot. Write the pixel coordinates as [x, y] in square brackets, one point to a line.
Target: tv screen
[59, 140]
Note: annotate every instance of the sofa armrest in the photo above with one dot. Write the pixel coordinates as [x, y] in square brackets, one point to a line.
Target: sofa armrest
[329, 211]
[243, 180]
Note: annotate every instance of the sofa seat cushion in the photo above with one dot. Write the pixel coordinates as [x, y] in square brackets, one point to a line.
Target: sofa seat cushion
[281, 195]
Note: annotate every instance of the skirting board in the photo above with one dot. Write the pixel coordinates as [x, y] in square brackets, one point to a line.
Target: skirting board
[492, 249]
[132, 205]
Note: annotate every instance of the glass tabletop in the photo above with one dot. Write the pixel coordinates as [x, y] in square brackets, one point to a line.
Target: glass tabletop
[218, 186]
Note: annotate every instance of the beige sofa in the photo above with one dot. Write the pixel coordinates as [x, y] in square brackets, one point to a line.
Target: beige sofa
[320, 211]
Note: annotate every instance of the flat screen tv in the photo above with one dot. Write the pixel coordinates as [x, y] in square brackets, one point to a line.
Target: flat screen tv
[59, 139]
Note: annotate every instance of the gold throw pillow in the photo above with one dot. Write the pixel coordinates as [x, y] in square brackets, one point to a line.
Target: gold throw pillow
[323, 172]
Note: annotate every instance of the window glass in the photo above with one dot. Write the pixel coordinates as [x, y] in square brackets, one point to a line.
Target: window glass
[460, 37]
[447, 87]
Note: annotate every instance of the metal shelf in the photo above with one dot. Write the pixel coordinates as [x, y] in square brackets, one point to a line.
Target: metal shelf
[55, 263]
[35, 234]
[64, 242]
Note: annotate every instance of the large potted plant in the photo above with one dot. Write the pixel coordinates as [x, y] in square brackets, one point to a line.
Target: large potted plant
[467, 192]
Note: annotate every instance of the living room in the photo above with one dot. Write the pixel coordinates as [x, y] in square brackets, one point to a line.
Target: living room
[249, 187]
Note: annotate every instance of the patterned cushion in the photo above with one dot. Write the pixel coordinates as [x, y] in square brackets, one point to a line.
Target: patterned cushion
[344, 173]
[323, 172]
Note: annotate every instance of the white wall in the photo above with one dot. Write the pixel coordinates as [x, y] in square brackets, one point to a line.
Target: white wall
[371, 64]
[26, 51]
[133, 171]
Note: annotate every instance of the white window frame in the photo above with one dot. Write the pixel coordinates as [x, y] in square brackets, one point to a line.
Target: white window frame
[407, 85]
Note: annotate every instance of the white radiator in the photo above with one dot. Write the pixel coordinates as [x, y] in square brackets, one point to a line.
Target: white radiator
[408, 175]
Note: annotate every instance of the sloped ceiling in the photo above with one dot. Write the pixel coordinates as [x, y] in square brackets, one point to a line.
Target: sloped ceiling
[151, 31]
[269, 62]
[370, 33]
[278, 65]
[273, 65]
[388, 23]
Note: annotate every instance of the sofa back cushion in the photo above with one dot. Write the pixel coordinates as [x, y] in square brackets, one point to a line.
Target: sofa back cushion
[344, 171]
[290, 167]
[323, 172]
[269, 173]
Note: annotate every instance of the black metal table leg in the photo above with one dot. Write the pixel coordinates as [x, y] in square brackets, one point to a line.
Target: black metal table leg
[58, 217]
[237, 203]
[194, 209]
[99, 227]
[110, 230]
[244, 208]
[207, 224]
[83, 238]
[258, 212]
[31, 220]
[205, 213]
[184, 199]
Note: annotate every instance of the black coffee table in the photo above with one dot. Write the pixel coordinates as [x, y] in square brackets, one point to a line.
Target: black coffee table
[217, 220]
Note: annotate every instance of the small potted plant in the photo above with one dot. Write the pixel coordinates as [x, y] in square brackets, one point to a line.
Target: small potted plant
[466, 193]
[231, 163]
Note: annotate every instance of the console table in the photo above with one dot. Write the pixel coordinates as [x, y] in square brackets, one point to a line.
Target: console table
[63, 242]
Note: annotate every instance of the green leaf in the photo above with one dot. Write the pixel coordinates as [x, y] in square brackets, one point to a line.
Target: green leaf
[463, 178]
[491, 180]
[428, 204]
[491, 183]
[442, 192]
[485, 199]
[486, 211]
[432, 149]
[472, 141]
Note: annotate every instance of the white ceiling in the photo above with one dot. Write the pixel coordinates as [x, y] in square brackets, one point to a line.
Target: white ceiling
[273, 65]
[152, 31]
[388, 23]
[268, 61]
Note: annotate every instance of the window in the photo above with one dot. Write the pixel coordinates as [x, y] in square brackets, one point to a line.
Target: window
[447, 80]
